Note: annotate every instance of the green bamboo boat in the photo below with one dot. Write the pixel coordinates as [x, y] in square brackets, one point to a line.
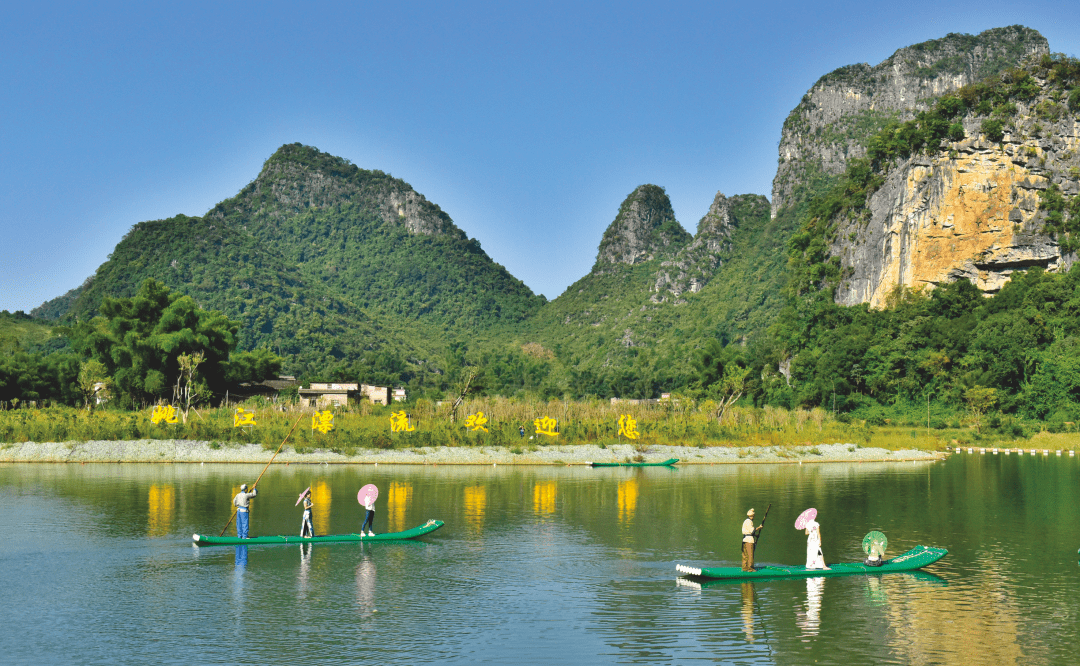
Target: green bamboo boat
[667, 463]
[427, 528]
[916, 558]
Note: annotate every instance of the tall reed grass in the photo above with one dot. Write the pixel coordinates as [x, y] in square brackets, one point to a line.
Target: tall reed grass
[363, 425]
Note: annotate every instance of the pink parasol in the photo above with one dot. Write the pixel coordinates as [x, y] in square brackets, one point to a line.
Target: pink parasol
[804, 518]
[367, 494]
[302, 496]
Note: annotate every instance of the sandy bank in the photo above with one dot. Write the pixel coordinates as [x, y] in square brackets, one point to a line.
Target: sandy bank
[178, 451]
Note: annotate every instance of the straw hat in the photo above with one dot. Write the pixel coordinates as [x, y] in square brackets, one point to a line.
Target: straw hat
[750, 513]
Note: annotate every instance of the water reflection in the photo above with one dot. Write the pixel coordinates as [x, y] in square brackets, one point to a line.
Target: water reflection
[628, 495]
[304, 571]
[161, 507]
[320, 513]
[748, 611]
[397, 501]
[365, 586]
[809, 620]
[544, 498]
[241, 558]
[475, 505]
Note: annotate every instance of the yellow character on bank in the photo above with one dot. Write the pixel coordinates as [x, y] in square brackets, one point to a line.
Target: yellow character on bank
[628, 426]
[322, 421]
[399, 422]
[243, 418]
[166, 413]
[476, 422]
[546, 426]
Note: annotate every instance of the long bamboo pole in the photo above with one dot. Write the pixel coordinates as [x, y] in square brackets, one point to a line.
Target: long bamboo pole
[235, 509]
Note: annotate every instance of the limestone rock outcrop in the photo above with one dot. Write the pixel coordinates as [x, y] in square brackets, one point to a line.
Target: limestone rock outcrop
[971, 211]
[846, 106]
[694, 265]
[644, 229]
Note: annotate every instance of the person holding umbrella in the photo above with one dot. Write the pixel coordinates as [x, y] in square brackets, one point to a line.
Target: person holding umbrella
[306, 528]
[805, 521]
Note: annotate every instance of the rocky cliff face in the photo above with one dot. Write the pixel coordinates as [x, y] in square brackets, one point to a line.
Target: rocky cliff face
[644, 229]
[694, 265]
[971, 211]
[845, 107]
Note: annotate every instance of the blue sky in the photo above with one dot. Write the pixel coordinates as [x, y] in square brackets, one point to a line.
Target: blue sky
[527, 123]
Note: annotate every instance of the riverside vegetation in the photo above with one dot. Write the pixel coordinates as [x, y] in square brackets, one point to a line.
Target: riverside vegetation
[680, 422]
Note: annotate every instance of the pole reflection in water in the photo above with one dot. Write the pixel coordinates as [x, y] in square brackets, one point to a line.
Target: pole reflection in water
[810, 620]
[304, 571]
[748, 611]
[365, 586]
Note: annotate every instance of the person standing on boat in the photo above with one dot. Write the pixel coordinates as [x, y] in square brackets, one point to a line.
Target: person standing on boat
[369, 519]
[306, 530]
[243, 503]
[814, 558]
[749, 540]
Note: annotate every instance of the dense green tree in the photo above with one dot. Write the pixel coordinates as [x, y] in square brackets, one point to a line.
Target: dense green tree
[139, 341]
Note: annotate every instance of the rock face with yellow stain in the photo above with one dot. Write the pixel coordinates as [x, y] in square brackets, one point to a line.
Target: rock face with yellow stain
[971, 211]
[847, 106]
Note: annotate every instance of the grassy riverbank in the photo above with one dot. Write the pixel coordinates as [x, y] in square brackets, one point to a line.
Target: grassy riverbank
[596, 423]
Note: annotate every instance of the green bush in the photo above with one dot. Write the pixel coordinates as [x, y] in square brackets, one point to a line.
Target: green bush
[993, 128]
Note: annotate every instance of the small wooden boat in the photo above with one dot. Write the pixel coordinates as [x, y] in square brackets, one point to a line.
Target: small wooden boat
[426, 528]
[916, 558]
[667, 463]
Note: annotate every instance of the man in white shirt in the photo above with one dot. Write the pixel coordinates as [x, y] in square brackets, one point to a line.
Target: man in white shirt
[749, 541]
[243, 502]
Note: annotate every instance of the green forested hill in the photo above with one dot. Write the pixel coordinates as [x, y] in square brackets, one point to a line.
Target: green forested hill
[338, 269]
[227, 269]
[376, 242]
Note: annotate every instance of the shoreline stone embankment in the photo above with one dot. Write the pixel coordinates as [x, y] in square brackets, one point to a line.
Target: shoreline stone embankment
[184, 451]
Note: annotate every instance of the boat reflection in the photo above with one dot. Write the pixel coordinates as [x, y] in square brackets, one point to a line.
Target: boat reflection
[365, 586]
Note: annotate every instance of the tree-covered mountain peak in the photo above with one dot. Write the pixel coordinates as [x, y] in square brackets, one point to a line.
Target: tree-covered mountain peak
[644, 229]
[299, 178]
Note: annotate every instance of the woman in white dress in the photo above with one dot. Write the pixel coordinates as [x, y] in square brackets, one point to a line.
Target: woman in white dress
[814, 558]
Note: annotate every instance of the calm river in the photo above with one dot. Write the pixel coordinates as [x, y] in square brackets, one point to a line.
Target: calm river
[539, 565]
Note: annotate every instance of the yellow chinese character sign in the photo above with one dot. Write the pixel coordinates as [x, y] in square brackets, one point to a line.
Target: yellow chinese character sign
[546, 426]
[243, 418]
[166, 413]
[399, 422]
[322, 421]
[628, 427]
[476, 422]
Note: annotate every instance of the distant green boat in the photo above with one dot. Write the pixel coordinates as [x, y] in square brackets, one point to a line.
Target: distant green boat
[667, 463]
[426, 528]
[916, 558]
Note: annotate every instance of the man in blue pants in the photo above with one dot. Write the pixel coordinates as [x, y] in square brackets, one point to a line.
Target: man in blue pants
[243, 502]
